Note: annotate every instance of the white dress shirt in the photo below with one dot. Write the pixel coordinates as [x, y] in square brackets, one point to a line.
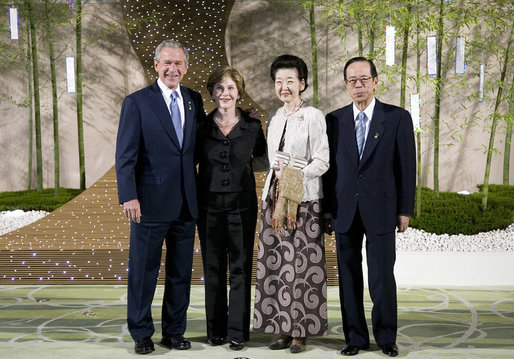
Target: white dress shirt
[166, 94]
[368, 111]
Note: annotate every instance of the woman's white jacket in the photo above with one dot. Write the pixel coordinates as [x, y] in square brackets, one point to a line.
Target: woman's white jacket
[305, 137]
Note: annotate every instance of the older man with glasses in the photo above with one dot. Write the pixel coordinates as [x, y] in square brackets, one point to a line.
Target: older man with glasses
[368, 190]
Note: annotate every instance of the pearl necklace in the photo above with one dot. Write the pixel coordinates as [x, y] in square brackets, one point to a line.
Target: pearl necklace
[288, 114]
[227, 125]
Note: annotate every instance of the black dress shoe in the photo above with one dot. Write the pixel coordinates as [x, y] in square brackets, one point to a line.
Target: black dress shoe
[176, 342]
[216, 341]
[390, 349]
[351, 349]
[236, 345]
[144, 346]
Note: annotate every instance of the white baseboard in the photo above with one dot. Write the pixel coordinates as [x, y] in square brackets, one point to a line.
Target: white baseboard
[455, 268]
[452, 268]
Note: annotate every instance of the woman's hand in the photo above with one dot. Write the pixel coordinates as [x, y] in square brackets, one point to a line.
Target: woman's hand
[278, 173]
[291, 223]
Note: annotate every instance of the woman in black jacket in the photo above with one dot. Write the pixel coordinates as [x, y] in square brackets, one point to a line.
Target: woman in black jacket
[227, 143]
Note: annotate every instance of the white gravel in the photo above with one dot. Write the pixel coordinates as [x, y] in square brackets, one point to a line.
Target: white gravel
[413, 240]
[11, 220]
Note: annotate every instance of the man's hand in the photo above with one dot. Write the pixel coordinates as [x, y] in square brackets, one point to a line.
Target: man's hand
[253, 113]
[402, 223]
[328, 226]
[132, 210]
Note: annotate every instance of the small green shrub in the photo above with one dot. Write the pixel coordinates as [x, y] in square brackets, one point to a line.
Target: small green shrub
[452, 213]
[34, 200]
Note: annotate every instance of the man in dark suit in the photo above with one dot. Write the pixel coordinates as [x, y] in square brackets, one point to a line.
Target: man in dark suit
[368, 190]
[156, 184]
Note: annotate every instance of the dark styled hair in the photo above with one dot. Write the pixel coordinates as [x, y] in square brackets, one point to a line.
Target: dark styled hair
[224, 72]
[374, 72]
[290, 62]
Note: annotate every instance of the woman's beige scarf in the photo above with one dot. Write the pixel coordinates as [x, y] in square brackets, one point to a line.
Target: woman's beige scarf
[290, 194]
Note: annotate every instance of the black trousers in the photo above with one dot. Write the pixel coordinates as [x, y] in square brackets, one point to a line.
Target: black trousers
[381, 256]
[146, 240]
[226, 227]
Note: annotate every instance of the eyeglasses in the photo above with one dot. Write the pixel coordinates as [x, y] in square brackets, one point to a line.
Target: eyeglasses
[363, 80]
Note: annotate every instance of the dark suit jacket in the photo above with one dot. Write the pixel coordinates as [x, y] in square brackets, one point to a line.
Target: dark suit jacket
[150, 165]
[382, 183]
[225, 162]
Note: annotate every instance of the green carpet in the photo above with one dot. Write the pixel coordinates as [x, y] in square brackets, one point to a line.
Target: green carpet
[88, 321]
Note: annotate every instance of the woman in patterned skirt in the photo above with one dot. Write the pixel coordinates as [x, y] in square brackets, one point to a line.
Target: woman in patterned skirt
[290, 291]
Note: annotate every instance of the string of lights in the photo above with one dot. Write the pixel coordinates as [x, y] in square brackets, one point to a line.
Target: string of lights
[87, 239]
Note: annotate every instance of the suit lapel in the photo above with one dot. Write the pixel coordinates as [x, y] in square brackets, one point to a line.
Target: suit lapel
[161, 112]
[347, 134]
[376, 130]
[189, 111]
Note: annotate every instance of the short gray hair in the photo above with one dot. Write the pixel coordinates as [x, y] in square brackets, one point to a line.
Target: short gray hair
[172, 44]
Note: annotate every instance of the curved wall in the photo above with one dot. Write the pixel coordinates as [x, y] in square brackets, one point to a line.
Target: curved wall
[256, 33]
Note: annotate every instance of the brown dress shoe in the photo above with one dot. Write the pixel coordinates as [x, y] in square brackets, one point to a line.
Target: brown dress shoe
[298, 345]
[281, 343]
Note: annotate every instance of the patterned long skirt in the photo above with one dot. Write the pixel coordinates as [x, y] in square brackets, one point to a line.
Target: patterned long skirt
[291, 278]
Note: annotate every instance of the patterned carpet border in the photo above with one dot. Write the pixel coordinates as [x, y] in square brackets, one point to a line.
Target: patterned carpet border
[89, 321]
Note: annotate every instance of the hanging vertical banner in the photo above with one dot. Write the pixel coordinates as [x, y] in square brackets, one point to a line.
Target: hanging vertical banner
[481, 84]
[415, 105]
[70, 74]
[432, 55]
[390, 45]
[13, 23]
[460, 64]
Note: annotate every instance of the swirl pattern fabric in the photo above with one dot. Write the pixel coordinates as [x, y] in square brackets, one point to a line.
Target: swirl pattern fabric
[291, 279]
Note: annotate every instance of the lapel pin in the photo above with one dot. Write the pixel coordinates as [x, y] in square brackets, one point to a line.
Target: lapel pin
[189, 106]
[376, 136]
